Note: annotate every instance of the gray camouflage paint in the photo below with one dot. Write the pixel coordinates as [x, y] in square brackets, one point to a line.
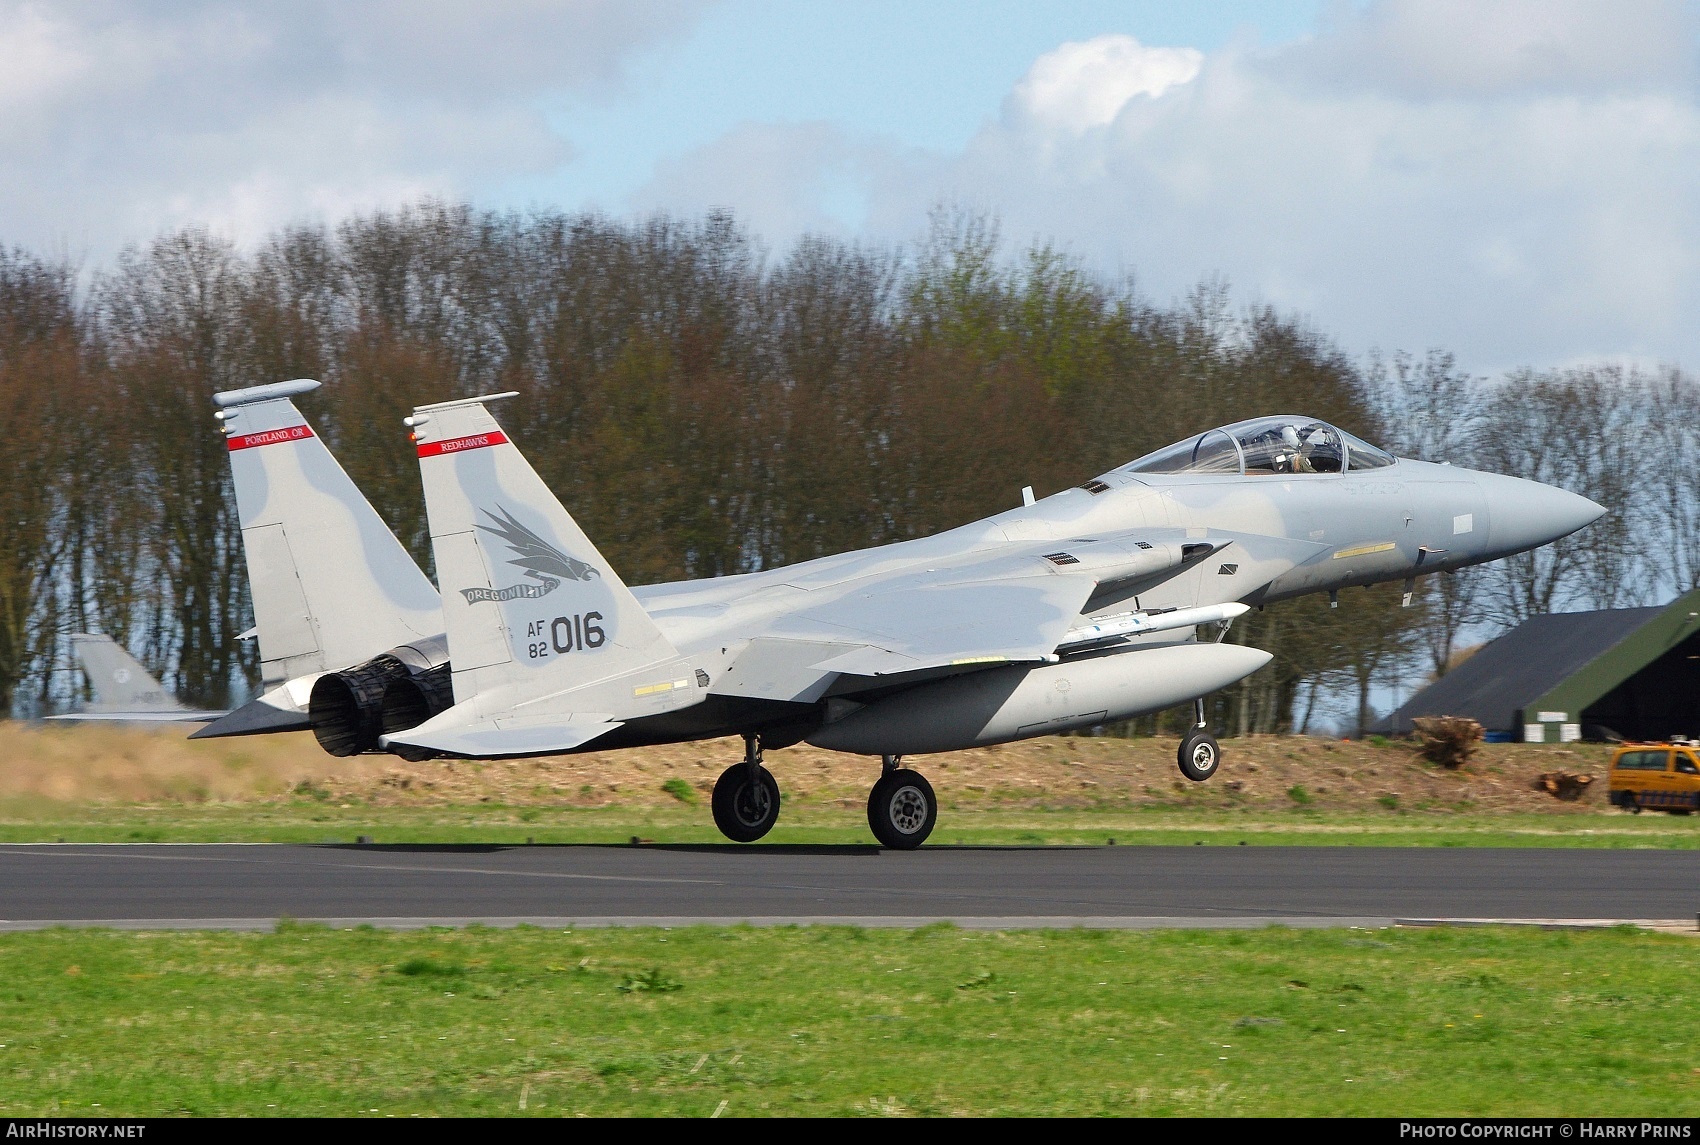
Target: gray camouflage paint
[898, 648]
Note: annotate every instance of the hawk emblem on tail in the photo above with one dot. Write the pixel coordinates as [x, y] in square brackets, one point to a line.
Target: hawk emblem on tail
[543, 562]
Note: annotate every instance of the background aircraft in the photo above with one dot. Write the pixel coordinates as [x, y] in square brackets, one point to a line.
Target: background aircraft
[123, 689]
[1069, 612]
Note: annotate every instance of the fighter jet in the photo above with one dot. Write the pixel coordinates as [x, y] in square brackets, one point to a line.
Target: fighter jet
[123, 689]
[1075, 610]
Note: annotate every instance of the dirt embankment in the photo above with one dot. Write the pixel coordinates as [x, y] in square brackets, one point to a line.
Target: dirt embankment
[95, 764]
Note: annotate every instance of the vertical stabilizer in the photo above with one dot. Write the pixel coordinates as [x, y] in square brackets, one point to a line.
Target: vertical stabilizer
[331, 585]
[530, 606]
[119, 682]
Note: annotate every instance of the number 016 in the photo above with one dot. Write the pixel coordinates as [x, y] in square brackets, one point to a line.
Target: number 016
[566, 634]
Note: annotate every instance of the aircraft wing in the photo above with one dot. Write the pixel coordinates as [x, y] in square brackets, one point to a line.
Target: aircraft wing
[883, 628]
[998, 606]
[900, 628]
[1001, 608]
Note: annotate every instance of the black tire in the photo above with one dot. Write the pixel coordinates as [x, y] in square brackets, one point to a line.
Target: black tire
[1631, 803]
[902, 809]
[1199, 756]
[745, 811]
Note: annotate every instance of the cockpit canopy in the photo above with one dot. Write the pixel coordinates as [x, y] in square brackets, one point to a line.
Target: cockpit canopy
[1284, 444]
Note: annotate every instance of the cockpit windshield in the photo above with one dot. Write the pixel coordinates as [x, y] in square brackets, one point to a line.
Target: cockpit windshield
[1282, 444]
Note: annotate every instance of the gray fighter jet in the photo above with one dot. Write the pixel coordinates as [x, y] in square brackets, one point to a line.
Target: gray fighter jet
[1075, 610]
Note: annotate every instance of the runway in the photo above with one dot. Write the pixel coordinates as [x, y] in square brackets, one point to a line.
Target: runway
[251, 886]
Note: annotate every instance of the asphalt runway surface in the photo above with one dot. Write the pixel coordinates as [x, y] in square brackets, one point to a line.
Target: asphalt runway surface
[250, 886]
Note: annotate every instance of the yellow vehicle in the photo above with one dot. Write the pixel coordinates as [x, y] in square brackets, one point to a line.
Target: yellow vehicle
[1664, 777]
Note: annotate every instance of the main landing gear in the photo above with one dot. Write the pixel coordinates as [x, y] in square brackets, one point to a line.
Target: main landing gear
[902, 807]
[1199, 755]
[746, 797]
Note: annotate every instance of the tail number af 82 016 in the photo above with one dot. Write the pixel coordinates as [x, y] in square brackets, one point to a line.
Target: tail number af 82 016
[563, 634]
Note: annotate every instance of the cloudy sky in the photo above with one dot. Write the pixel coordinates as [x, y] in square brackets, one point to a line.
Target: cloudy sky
[1516, 180]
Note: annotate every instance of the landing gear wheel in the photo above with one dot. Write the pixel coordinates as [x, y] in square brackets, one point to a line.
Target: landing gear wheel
[744, 810]
[902, 809]
[1199, 755]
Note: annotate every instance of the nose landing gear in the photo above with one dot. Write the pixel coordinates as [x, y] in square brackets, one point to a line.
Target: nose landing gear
[1199, 753]
[746, 797]
[902, 807]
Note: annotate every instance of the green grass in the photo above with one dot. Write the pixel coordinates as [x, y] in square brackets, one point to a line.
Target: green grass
[680, 790]
[310, 821]
[835, 1021]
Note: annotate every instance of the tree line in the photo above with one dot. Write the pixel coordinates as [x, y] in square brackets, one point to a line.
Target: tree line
[704, 407]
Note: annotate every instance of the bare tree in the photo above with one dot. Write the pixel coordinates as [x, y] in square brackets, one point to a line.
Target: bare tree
[41, 373]
[1575, 429]
[702, 407]
[1669, 478]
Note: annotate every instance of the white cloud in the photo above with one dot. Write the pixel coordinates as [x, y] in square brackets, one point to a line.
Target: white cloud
[1519, 182]
[40, 59]
[1474, 48]
[120, 119]
[1080, 86]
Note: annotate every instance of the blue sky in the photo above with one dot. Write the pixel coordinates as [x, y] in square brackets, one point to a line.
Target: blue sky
[922, 75]
[1514, 180]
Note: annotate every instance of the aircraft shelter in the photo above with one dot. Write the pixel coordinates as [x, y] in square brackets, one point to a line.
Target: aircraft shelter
[1613, 674]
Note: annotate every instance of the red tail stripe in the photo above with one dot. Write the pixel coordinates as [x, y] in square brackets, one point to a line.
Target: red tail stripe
[462, 444]
[269, 437]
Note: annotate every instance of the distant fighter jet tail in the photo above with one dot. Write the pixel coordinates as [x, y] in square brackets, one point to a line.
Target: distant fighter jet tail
[123, 689]
[541, 629]
[119, 681]
[331, 584]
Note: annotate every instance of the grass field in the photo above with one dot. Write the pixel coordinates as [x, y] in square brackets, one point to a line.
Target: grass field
[837, 1021]
[828, 1020]
[105, 784]
[306, 821]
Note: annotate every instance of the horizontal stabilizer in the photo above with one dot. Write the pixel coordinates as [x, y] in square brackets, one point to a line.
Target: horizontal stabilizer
[186, 716]
[508, 736]
[256, 717]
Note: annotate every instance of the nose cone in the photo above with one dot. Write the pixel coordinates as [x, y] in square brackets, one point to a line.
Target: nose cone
[1526, 514]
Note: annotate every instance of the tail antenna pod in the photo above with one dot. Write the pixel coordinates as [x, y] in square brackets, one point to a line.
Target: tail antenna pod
[454, 403]
[421, 415]
[225, 399]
